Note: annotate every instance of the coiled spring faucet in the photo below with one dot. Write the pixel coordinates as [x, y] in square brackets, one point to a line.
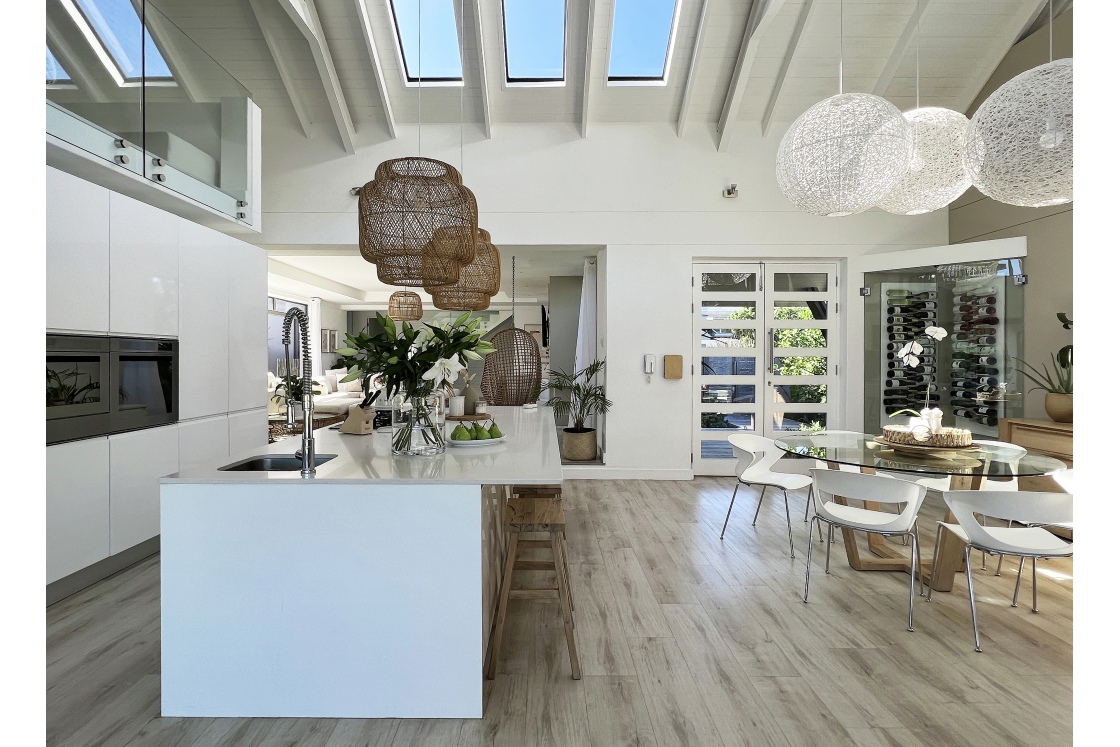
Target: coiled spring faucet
[308, 450]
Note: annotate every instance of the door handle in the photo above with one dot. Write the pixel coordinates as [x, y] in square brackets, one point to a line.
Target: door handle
[770, 351]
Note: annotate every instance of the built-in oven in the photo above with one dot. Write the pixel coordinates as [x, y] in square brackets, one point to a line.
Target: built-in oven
[102, 385]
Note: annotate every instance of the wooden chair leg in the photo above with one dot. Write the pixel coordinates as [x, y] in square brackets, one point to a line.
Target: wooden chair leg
[503, 606]
[565, 594]
[567, 575]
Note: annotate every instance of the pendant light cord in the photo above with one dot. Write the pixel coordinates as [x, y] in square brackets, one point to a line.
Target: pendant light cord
[1051, 30]
[419, 76]
[841, 46]
[462, 41]
[918, 63]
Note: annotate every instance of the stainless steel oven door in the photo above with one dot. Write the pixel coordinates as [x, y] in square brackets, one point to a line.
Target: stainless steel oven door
[78, 373]
[145, 383]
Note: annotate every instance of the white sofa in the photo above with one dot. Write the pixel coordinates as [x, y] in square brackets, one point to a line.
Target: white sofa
[331, 400]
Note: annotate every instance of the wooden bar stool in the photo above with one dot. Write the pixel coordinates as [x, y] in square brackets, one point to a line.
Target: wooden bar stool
[535, 509]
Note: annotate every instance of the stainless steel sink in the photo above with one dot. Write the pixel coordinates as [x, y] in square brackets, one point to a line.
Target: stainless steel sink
[273, 463]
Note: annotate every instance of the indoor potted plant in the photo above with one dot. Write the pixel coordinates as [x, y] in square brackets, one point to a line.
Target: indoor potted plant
[414, 364]
[290, 394]
[1058, 383]
[586, 398]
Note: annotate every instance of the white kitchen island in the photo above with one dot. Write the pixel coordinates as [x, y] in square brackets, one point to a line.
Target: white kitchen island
[364, 592]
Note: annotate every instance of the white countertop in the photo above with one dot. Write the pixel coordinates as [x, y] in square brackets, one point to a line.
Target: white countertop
[529, 455]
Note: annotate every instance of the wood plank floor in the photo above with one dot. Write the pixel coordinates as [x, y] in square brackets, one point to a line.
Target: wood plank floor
[684, 640]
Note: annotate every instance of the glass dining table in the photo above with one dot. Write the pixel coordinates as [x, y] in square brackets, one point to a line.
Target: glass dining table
[958, 470]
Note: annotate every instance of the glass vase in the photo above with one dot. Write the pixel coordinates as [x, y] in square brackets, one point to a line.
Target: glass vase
[418, 426]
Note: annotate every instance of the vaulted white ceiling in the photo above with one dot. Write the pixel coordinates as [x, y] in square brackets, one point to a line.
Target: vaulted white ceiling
[737, 65]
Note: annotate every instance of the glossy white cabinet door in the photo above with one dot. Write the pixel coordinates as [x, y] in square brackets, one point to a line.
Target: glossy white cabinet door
[203, 321]
[248, 326]
[143, 268]
[136, 462]
[248, 431]
[77, 254]
[77, 506]
[202, 441]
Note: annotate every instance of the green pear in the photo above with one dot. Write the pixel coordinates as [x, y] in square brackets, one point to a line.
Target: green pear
[495, 431]
[480, 433]
[460, 434]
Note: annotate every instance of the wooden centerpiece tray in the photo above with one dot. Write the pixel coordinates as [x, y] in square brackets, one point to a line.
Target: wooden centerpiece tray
[458, 418]
[933, 451]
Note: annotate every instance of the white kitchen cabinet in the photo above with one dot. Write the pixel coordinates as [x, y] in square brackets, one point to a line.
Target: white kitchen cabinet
[77, 506]
[248, 326]
[203, 321]
[203, 440]
[247, 431]
[143, 269]
[77, 254]
[136, 462]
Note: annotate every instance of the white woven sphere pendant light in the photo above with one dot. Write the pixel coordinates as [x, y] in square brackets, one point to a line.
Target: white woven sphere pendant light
[1019, 145]
[936, 175]
[844, 154]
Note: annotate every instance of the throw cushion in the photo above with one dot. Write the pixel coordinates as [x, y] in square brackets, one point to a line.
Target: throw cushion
[321, 384]
[333, 376]
[350, 386]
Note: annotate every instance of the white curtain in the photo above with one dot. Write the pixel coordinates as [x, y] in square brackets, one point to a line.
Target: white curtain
[586, 332]
[315, 335]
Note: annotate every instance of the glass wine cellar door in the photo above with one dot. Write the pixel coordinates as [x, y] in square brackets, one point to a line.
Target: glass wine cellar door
[765, 354]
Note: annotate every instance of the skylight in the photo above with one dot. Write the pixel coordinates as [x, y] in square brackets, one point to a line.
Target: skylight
[642, 41]
[428, 39]
[55, 72]
[118, 30]
[534, 31]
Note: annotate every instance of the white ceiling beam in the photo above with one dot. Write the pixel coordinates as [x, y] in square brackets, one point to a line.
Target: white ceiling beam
[761, 15]
[686, 96]
[378, 71]
[1024, 16]
[900, 49]
[306, 19]
[483, 83]
[266, 24]
[783, 71]
[291, 272]
[588, 60]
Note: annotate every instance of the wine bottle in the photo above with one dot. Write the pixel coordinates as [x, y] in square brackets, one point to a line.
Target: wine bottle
[985, 340]
[963, 393]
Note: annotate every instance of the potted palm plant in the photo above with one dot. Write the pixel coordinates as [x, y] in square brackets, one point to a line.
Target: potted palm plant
[585, 399]
[1058, 383]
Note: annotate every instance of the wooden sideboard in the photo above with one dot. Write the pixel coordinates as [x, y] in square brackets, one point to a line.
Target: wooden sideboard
[1043, 436]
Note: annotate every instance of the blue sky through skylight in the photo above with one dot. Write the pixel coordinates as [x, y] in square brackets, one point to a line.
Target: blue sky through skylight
[55, 73]
[534, 39]
[640, 38]
[118, 27]
[429, 39]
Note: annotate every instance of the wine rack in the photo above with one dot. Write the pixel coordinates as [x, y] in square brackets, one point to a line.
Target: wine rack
[907, 311]
[976, 380]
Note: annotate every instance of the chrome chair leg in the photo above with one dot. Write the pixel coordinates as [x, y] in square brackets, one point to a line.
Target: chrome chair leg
[809, 559]
[789, 524]
[827, 546]
[913, 568]
[933, 567]
[729, 509]
[1018, 582]
[1034, 584]
[999, 565]
[918, 552]
[808, 500]
[972, 597]
[760, 497]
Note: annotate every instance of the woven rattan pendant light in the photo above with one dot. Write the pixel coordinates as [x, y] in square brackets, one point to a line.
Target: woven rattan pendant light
[405, 306]
[478, 281]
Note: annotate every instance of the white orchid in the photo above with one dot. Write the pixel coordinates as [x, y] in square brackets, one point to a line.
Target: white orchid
[445, 369]
[936, 333]
[910, 352]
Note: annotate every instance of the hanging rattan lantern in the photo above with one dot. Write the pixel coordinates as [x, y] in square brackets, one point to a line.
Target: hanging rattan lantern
[405, 306]
[399, 214]
[511, 375]
[936, 175]
[478, 281]
[844, 154]
[1019, 144]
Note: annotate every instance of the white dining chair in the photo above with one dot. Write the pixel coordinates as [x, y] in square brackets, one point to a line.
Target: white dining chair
[828, 483]
[1032, 510]
[757, 455]
[821, 439]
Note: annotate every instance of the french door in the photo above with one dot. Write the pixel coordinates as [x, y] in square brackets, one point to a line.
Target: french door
[765, 357]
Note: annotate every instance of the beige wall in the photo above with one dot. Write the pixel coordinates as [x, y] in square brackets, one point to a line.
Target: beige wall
[1049, 231]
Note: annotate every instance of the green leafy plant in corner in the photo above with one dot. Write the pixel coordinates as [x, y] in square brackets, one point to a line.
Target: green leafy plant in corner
[1060, 379]
[586, 398]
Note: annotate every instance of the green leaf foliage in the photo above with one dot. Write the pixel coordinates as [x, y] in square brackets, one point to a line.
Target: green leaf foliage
[586, 398]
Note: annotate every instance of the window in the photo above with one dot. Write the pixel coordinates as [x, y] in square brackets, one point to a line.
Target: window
[55, 72]
[428, 41]
[642, 41]
[534, 34]
[113, 28]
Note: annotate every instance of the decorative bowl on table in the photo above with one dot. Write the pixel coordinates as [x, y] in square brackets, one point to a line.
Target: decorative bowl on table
[946, 438]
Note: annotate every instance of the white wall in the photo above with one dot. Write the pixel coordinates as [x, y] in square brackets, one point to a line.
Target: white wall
[333, 318]
[119, 266]
[653, 199]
